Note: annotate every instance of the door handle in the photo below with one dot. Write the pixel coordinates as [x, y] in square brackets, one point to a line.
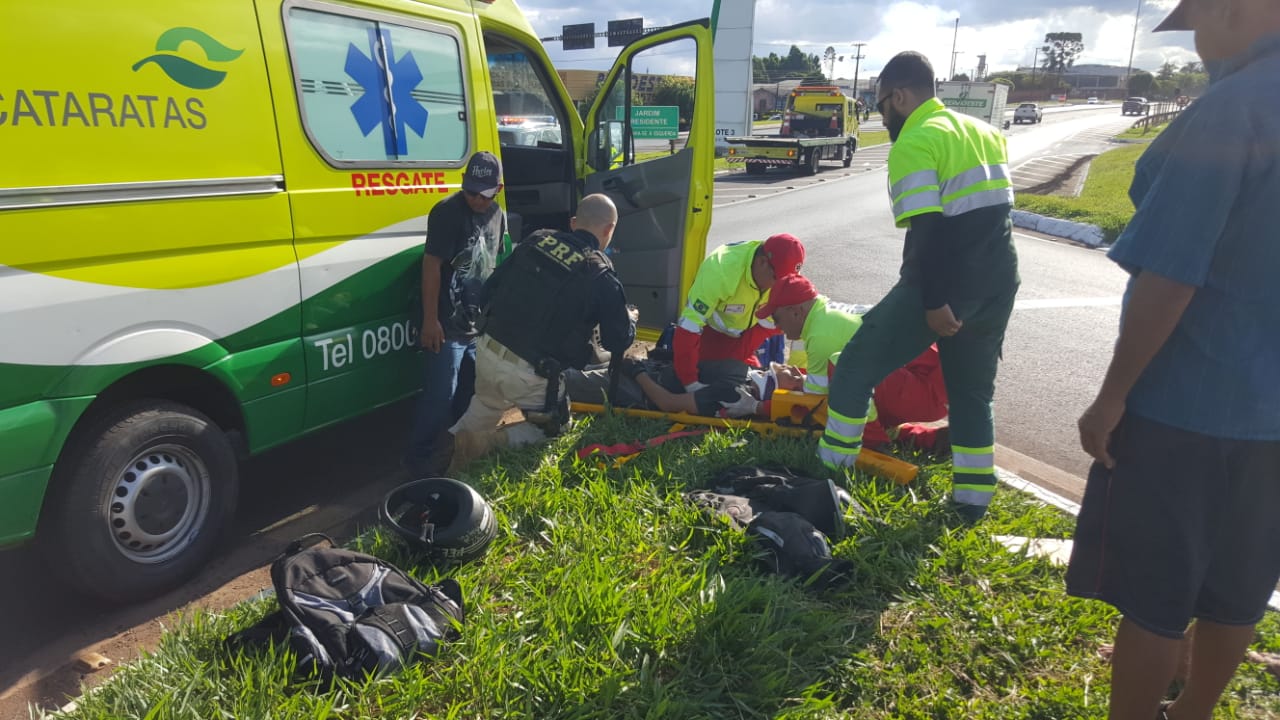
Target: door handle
[624, 189]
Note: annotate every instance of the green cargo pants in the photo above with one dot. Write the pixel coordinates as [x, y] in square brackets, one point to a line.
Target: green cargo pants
[892, 334]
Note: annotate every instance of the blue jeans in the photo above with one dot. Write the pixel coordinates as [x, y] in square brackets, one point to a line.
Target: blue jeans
[448, 382]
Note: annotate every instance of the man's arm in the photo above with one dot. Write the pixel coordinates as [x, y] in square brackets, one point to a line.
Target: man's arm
[431, 335]
[664, 399]
[617, 326]
[1155, 306]
[686, 345]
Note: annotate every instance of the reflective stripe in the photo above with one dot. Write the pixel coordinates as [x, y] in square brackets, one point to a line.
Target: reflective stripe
[972, 459]
[973, 176]
[918, 180]
[766, 323]
[691, 326]
[845, 429]
[986, 198]
[819, 382]
[717, 323]
[836, 458]
[966, 496]
[927, 200]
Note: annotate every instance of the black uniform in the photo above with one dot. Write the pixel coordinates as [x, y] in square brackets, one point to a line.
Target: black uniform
[546, 299]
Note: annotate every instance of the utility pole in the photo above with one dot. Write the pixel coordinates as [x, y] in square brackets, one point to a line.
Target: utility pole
[1035, 57]
[1133, 44]
[954, 53]
[857, 62]
[955, 36]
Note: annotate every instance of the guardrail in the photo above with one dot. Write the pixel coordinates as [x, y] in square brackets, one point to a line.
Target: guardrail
[1163, 113]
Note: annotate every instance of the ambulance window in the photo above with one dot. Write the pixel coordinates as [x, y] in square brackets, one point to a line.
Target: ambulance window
[527, 115]
[373, 92]
[659, 101]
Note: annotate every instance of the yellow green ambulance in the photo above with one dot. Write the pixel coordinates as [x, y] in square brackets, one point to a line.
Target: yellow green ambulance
[211, 226]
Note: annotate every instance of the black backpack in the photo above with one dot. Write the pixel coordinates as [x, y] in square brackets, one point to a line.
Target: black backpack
[348, 614]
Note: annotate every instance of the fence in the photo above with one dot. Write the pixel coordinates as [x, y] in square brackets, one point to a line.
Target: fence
[1158, 113]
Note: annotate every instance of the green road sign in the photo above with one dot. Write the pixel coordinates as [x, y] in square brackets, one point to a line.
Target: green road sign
[654, 122]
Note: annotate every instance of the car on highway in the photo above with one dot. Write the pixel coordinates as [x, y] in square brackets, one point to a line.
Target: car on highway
[1028, 112]
[1135, 106]
[1092, 101]
[529, 131]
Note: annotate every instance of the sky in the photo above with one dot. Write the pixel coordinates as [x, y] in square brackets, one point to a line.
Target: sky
[1006, 32]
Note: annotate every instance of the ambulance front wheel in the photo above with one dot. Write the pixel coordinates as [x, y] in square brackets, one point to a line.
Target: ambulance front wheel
[138, 500]
[755, 168]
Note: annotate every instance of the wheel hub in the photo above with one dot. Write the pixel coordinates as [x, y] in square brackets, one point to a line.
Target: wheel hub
[159, 503]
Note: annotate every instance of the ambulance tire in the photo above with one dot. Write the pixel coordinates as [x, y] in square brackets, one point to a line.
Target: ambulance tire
[755, 168]
[138, 501]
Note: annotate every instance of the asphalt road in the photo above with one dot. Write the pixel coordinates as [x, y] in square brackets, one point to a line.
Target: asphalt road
[1060, 336]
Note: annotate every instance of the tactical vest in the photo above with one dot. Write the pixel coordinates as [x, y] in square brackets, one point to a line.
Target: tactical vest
[540, 301]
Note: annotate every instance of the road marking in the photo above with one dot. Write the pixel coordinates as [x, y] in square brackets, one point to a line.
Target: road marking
[1053, 303]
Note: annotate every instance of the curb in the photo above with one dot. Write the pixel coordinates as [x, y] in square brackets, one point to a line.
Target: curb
[1086, 233]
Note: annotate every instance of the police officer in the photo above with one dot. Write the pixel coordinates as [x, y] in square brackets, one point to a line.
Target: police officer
[949, 185]
[544, 302]
[719, 322]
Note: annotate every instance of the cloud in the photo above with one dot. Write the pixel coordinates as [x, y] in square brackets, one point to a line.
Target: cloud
[1005, 32]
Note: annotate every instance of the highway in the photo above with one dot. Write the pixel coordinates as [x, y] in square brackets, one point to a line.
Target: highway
[1060, 336]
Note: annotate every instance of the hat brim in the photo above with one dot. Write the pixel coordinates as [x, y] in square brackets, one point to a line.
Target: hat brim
[1176, 20]
[488, 192]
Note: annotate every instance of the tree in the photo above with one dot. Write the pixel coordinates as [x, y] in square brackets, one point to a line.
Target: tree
[1140, 83]
[1061, 50]
[960, 77]
[676, 91]
[1192, 68]
[1004, 81]
[830, 56]
[795, 65]
[1167, 70]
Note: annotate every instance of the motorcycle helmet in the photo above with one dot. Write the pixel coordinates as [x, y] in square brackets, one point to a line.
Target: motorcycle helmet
[442, 518]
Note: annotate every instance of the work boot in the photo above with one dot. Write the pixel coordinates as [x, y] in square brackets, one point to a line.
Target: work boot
[966, 513]
[437, 464]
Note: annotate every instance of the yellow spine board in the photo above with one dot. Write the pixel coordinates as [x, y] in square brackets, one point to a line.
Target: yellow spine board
[899, 471]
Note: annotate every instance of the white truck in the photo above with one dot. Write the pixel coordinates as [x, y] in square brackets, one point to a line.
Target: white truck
[985, 101]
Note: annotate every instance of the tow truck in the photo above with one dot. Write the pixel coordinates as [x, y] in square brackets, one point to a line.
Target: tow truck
[820, 123]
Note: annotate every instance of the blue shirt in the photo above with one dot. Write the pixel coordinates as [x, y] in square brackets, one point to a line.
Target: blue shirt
[1207, 194]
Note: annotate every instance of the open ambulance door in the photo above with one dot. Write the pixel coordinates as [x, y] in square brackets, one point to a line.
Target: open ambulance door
[659, 176]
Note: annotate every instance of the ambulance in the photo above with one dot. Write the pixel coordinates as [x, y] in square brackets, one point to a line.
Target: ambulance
[212, 217]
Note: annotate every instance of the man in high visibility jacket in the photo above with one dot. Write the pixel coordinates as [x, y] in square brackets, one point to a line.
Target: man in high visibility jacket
[949, 184]
[719, 322]
[909, 395]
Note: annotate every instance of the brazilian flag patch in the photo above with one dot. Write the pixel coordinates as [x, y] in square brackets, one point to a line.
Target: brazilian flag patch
[700, 307]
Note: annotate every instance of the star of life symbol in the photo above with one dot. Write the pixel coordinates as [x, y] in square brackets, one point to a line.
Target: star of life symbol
[388, 92]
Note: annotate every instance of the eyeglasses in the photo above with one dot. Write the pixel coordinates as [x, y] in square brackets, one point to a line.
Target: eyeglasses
[476, 195]
[880, 103]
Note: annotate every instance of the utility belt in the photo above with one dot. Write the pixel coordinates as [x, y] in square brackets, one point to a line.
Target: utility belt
[554, 414]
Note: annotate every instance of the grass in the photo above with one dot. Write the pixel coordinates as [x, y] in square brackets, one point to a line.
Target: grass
[605, 595]
[1140, 134]
[1105, 199]
[878, 137]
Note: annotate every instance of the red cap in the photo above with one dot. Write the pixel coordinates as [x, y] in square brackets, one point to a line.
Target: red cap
[785, 254]
[790, 290]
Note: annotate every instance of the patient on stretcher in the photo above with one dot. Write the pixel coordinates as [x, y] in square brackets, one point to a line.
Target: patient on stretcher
[911, 395]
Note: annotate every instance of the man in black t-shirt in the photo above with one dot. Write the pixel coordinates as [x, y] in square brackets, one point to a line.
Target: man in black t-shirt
[466, 236]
